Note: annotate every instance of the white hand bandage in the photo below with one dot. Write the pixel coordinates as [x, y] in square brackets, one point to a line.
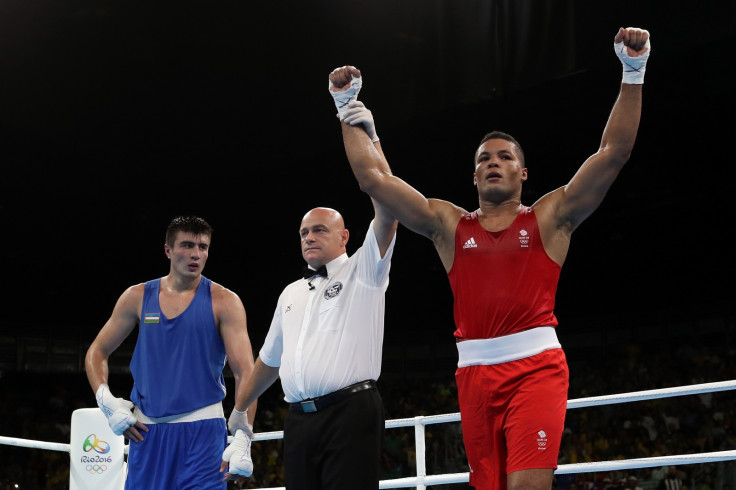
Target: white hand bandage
[237, 455]
[239, 421]
[343, 97]
[358, 113]
[117, 410]
[634, 67]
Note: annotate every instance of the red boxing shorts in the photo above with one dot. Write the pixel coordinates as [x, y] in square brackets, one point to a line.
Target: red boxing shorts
[512, 415]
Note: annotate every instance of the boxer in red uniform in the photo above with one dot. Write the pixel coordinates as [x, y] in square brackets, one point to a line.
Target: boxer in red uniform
[503, 261]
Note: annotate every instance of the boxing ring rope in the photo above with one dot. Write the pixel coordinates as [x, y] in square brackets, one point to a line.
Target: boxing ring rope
[422, 480]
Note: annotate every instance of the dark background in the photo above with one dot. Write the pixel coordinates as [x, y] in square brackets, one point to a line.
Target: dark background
[117, 116]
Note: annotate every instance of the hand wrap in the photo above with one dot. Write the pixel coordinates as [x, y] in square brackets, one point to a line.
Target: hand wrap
[237, 455]
[117, 410]
[343, 97]
[634, 67]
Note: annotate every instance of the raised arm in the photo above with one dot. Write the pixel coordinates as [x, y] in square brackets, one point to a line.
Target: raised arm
[385, 223]
[586, 190]
[369, 165]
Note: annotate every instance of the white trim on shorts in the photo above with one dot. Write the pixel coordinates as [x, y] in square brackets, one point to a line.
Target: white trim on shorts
[512, 347]
[213, 411]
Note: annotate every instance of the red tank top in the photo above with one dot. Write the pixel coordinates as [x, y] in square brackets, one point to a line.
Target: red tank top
[502, 282]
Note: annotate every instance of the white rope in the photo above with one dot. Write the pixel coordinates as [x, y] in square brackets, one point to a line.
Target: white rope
[566, 469]
[422, 481]
[651, 394]
[265, 436]
[52, 446]
[623, 464]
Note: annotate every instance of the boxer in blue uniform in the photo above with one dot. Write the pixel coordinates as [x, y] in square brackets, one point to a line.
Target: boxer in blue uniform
[188, 329]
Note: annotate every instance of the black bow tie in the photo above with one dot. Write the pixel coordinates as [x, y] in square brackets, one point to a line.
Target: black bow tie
[322, 271]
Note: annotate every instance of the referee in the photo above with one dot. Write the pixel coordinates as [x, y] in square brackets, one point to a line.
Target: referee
[325, 343]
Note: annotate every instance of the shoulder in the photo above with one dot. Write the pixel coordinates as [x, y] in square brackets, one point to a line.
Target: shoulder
[130, 302]
[548, 207]
[550, 199]
[448, 215]
[134, 292]
[226, 305]
[445, 210]
[221, 294]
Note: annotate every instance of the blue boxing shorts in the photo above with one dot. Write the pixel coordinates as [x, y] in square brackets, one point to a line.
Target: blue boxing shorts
[181, 456]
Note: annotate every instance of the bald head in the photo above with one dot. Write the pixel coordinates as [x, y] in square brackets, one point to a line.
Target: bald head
[323, 236]
[324, 215]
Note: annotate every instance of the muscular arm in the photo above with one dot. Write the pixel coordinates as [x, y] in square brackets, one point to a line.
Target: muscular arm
[426, 217]
[432, 218]
[376, 179]
[586, 190]
[121, 323]
[125, 317]
[232, 323]
[384, 224]
[561, 211]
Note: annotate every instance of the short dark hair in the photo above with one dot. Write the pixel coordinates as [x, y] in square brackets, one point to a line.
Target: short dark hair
[500, 135]
[187, 224]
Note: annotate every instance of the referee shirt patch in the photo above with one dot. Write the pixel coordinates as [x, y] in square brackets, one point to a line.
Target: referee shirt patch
[333, 291]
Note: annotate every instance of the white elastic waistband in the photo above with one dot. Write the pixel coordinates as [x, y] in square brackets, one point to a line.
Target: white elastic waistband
[213, 411]
[508, 348]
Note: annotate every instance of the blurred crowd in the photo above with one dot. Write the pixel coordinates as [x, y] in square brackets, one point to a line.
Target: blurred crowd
[39, 407]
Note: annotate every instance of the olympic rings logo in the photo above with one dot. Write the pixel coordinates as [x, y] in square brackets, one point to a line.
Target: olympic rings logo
[98, 445]
[96, 468]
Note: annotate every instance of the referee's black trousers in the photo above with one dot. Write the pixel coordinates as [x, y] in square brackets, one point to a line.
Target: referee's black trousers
[336, 448]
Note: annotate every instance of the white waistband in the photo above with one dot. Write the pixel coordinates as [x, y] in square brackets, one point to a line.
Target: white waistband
[213, 411]
[508, 348]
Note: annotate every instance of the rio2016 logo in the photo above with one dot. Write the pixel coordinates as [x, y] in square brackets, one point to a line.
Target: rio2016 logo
[92, 443]
[98, 445]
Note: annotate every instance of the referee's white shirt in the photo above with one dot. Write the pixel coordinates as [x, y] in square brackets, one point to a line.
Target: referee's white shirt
[330, 337]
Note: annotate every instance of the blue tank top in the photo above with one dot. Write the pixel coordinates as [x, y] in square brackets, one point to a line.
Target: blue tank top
[177, 363]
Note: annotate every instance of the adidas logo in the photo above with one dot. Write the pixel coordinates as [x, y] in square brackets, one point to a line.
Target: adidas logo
[470, 243]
